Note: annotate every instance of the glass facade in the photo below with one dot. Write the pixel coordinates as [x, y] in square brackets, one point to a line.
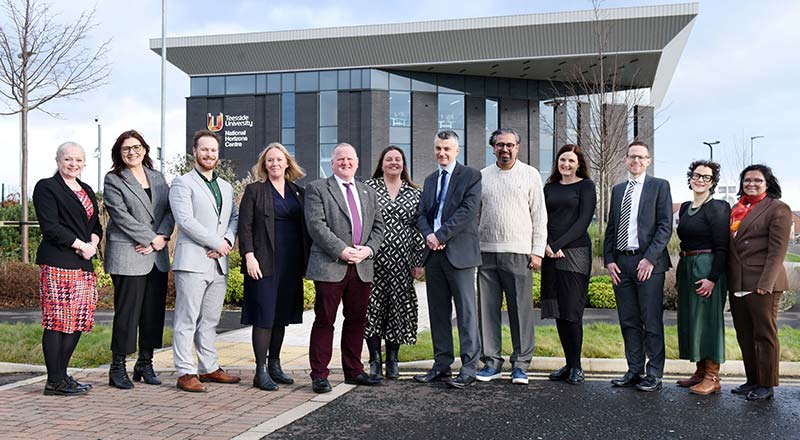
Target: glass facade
[492, 124]
[287, 122]
[328, 130]
[400, 122]
[451, 111]
[451, 117]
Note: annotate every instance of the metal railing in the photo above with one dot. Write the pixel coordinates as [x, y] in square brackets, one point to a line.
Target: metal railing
[17, 224]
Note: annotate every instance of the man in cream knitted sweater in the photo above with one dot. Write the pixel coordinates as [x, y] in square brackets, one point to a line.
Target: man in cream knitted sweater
[513, 236]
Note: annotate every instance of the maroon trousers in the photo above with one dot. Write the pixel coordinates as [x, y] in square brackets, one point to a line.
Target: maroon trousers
[354, 294]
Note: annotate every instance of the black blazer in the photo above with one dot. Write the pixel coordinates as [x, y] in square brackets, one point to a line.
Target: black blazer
[62, 219]
[654, 223]
[257, 225]
[462, 203]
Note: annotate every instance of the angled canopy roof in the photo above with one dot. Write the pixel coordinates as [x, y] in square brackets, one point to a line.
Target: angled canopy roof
[643, 44]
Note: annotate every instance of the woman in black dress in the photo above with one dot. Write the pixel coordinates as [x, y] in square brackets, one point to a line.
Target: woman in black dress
[570, 198]
[703, 230]
[274, 246]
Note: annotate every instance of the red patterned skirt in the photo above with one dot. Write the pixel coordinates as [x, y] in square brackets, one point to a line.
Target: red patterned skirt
[68, 297]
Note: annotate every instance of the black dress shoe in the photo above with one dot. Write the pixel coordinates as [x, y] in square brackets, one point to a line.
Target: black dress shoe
[321, 386]
[760, 393]
[63, 388]
[628, 380]
[461, 381]
[433, 375]
[75, 384]
[649, 383]
[560, 374]
[575, 376]
[363, 379]
[745, 388]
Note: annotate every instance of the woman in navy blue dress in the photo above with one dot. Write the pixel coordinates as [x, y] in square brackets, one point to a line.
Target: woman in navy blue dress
[274, 246]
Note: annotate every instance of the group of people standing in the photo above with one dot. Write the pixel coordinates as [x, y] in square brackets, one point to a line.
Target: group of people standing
[363, 244]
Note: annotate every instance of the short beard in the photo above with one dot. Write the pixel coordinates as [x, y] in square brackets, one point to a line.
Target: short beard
[204, 168]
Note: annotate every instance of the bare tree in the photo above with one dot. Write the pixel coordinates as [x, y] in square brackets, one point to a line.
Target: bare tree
[41, 60]
[598, 106]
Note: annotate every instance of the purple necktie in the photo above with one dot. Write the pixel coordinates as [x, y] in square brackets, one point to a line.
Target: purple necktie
[354, 215]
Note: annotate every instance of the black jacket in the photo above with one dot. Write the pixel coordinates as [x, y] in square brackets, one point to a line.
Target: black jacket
[257, 226]
[62, 219]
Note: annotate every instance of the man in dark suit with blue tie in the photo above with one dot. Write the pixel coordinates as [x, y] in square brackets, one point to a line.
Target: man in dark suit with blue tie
[448, 219]
[635, 254]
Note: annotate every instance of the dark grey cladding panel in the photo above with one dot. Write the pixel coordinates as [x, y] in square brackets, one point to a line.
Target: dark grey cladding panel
[307, 133]
[432, 47]
[238, 134]
[476, 131]
[644, 130]
[378, 137]
[272, 119]
[534, 124]
[196, 119]
[514, 114]
[349, 117]
[423, 113]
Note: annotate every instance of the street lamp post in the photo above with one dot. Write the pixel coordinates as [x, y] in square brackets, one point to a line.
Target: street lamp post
[752, 138]
[99, 156]
[711, 148]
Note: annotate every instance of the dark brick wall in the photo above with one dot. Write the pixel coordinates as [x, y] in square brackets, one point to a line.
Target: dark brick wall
[423, 113]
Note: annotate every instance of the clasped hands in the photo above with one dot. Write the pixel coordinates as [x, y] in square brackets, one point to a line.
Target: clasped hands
[156, 245]
[223, 250]
[86, 250]
[355, 254]
[433, 243]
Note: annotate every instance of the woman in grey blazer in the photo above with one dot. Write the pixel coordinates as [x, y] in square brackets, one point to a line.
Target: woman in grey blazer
[140, 224]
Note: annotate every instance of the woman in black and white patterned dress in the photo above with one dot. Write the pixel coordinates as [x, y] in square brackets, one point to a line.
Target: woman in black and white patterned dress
[392, 312]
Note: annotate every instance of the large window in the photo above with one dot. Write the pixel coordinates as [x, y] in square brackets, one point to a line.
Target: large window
[400, 122]
[492, 124]
[240, 84]
[451, 117]
[328, 130]
[287, 122]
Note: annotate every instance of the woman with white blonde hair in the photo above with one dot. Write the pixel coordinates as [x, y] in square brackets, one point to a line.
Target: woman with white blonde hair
[274, 245]
[67, 212]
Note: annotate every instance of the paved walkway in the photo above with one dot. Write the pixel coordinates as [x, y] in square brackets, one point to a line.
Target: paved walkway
[226, 411]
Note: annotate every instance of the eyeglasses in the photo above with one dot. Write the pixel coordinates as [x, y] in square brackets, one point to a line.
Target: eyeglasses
[502, 145]
[755, 182]
[638, 157]
[704, 177]
[134, 148]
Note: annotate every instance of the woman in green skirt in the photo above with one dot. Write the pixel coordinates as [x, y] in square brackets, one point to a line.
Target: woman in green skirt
[703, 231]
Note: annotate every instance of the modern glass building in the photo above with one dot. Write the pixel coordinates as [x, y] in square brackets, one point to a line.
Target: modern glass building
[399, 84]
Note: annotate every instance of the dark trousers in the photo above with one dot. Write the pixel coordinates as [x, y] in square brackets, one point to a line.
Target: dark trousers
[640, 306]
[754, 318]
[354, 294]
[139, 301]
[447, 285]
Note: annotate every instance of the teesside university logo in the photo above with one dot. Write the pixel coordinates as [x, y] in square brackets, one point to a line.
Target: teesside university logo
[215, 122]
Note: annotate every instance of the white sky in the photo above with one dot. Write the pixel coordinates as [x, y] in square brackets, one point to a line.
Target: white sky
[734, 80]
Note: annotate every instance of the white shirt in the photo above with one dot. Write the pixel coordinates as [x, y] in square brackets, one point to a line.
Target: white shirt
[633, 228]
[354, 190]
[437, 221]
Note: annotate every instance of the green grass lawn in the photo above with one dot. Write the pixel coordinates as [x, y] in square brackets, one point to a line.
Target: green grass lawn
[22, 343]
[602, 340]
[792, 258]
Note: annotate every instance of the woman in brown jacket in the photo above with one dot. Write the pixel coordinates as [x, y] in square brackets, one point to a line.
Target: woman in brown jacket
[760, 227]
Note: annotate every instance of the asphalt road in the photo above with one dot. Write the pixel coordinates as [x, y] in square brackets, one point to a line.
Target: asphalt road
[548, 410]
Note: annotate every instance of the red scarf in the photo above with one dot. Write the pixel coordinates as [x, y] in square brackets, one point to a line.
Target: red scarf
[741, 209]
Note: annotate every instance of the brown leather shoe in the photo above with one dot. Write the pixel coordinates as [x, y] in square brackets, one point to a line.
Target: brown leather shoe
[696, 378]
[219, 376]
[710, 383]
[189, 382]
